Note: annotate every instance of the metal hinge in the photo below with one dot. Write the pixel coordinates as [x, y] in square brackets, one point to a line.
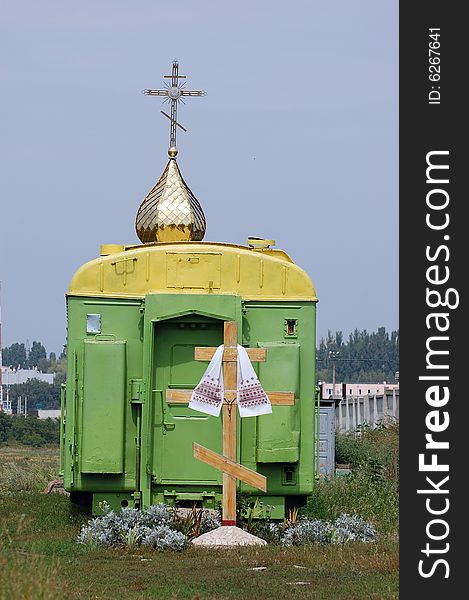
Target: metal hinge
[137, 391]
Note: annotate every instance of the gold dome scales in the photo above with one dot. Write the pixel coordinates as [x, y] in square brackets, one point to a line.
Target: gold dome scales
[170, 211]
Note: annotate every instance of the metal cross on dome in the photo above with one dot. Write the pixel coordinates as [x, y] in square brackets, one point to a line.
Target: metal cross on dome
[174, 93]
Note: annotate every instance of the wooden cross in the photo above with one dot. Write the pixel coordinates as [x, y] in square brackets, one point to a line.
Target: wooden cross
[227, 463]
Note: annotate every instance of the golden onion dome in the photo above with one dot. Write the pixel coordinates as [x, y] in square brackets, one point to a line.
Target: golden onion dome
[170, 212]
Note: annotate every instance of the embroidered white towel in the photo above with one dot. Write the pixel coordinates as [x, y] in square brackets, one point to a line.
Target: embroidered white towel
[252, 400]
[207, 396]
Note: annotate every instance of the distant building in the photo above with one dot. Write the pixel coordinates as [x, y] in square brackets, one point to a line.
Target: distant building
[369, 409]
[360, 403]
[13, 377]
[46, 413]
[345, 390]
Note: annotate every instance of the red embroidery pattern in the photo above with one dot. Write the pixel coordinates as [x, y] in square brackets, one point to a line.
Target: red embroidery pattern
[251, 393]
[208, 391]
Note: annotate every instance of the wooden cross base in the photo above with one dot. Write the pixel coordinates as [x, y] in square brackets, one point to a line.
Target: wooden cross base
[227, 463]
[232, 469]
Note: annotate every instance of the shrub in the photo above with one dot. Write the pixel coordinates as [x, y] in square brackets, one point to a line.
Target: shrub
[29, 430]
[346, 528]
[372, 489]
[305, 532]
[252, 514]
[157, 526]
[157, 514]
[377, 447]
[164, 538]
[210, 520]
[5, 426]
[375, 499]
[351, 528]
[195, 521]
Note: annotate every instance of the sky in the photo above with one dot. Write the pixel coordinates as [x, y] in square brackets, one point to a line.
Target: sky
[296, 141]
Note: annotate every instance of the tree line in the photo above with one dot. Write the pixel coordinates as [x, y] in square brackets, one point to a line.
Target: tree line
[29, 430]
[17, 356]
[363, 358]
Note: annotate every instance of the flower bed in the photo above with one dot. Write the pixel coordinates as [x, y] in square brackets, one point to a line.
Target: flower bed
[164, 528]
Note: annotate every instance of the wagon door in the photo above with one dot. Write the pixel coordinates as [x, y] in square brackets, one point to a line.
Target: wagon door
[176, 425]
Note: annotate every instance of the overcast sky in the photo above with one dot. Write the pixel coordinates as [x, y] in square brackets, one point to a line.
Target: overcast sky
[296, 140]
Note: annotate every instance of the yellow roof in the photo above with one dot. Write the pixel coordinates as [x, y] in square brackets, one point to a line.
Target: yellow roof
[192, 267]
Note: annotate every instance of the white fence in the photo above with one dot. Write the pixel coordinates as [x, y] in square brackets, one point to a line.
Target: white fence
[371, 409]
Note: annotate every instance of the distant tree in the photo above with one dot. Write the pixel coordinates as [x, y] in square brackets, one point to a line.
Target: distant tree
[36, 354]
[34, 432]
[60, 370]
[5, 427]
[47, 365]
[43, 365]
[15, 356]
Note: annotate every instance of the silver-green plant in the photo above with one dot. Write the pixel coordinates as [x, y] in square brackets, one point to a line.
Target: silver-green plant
[305, 532]
[163, 537]
[131, 527]
[346, 528]
[351, 528]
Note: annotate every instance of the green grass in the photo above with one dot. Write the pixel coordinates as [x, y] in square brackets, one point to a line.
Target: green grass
[39, 560]
[374, 500]
[378, 448]
[372, 490]
[24, 468]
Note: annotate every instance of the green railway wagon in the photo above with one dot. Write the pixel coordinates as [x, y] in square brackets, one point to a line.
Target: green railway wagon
[135, 315]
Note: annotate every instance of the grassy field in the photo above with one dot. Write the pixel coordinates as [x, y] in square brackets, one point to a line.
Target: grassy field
[27, 469]
[39, 558]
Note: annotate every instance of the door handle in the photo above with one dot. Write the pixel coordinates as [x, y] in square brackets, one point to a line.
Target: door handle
[168, 422]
